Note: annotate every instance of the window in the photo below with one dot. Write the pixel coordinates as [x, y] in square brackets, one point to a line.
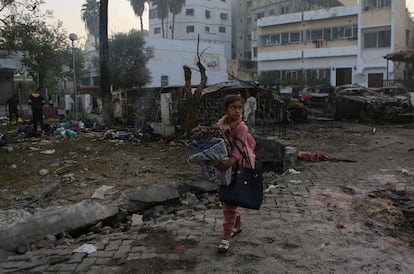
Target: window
[379, 39]
[384, 39]
[285, 38]
[255, 52]
[208, 14]
[249, 20]
[207, 29]
[153, 14]
[259, 15]
[377, 4]
[190, 29]
[275, 39]
[157, 30]
[295, 37]
[224, 16]
[222, 29]
[189, 12]
[316, 34]
[370, 40]
[249, 3]
[249, 37]
[164, 80]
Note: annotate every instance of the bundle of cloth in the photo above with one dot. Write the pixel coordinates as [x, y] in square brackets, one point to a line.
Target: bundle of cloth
[211, 152]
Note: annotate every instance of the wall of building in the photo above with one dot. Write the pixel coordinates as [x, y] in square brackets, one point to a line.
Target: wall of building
[171, 55]
[347, 53]
[211, 20]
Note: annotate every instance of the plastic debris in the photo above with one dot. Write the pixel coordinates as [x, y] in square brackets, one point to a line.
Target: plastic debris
[85, 248]
[49, 151]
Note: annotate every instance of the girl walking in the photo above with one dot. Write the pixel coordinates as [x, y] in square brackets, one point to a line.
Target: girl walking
[238, 134]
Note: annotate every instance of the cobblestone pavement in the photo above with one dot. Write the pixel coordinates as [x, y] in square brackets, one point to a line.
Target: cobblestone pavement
[325, 219]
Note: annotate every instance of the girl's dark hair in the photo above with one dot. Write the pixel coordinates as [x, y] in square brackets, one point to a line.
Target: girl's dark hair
[230, 99]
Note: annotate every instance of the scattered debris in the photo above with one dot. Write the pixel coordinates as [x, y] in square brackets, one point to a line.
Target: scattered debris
[85, 248]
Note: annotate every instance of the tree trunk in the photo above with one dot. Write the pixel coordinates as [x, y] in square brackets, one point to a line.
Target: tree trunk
[108, 113]
[142, 25]
[190, 104]
[192, 101]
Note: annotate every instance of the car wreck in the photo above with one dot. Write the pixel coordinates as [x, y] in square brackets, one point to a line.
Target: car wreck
[369, 105]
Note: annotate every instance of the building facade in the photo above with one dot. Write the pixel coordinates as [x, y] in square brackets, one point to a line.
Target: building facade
[339, 45]
[247, 14]
[210, 20]
[169, 57]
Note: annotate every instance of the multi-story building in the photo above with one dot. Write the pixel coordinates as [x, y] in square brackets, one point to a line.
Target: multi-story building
[247, 13]
[340, 45]
[210, 20]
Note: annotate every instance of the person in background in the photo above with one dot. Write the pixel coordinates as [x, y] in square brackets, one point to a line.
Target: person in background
[36, 100]
[50, 111]
[250, 108]
[238, 134]
[12, 104]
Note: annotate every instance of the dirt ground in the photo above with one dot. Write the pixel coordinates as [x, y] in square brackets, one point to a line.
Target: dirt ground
[77, 166]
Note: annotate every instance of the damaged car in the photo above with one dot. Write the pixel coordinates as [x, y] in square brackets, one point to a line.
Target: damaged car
[368, 105]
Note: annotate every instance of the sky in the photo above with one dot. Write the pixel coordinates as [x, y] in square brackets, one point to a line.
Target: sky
[121, 17]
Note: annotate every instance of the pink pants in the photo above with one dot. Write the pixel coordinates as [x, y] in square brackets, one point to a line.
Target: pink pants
[232, 218]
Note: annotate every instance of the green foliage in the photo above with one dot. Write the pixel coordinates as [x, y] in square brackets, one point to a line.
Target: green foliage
[127, 59]
[162, 11]
[138, 6]
[90, 16]
[42, 43]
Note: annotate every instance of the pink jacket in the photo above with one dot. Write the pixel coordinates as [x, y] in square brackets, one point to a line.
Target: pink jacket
[238, 129]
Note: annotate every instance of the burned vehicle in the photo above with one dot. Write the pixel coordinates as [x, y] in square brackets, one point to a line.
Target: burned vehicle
[369, 105]
[273, 110]
[315, 98]
[400, 92]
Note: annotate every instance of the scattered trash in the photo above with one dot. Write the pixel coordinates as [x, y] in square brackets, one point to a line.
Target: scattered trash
[102, 191]
[293, 171]
[60, 131]
[43, 172]
[404, 171]
[48, 152]
[374, 130]
[317, 157]
[295, 182]
[137, 220]
[85, 248]
[65, 124]
[267, 190]
[71, 132]
[8, 148]
[3, 139]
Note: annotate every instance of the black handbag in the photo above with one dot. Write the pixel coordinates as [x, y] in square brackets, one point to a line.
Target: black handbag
[246, 187]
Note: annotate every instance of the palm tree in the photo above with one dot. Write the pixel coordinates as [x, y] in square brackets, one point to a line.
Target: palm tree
[104, 61]
[90, 16]
[175, 8]
[162, 11]
[138, 6]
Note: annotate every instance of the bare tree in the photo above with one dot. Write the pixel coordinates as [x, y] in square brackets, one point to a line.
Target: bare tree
[192, 100]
